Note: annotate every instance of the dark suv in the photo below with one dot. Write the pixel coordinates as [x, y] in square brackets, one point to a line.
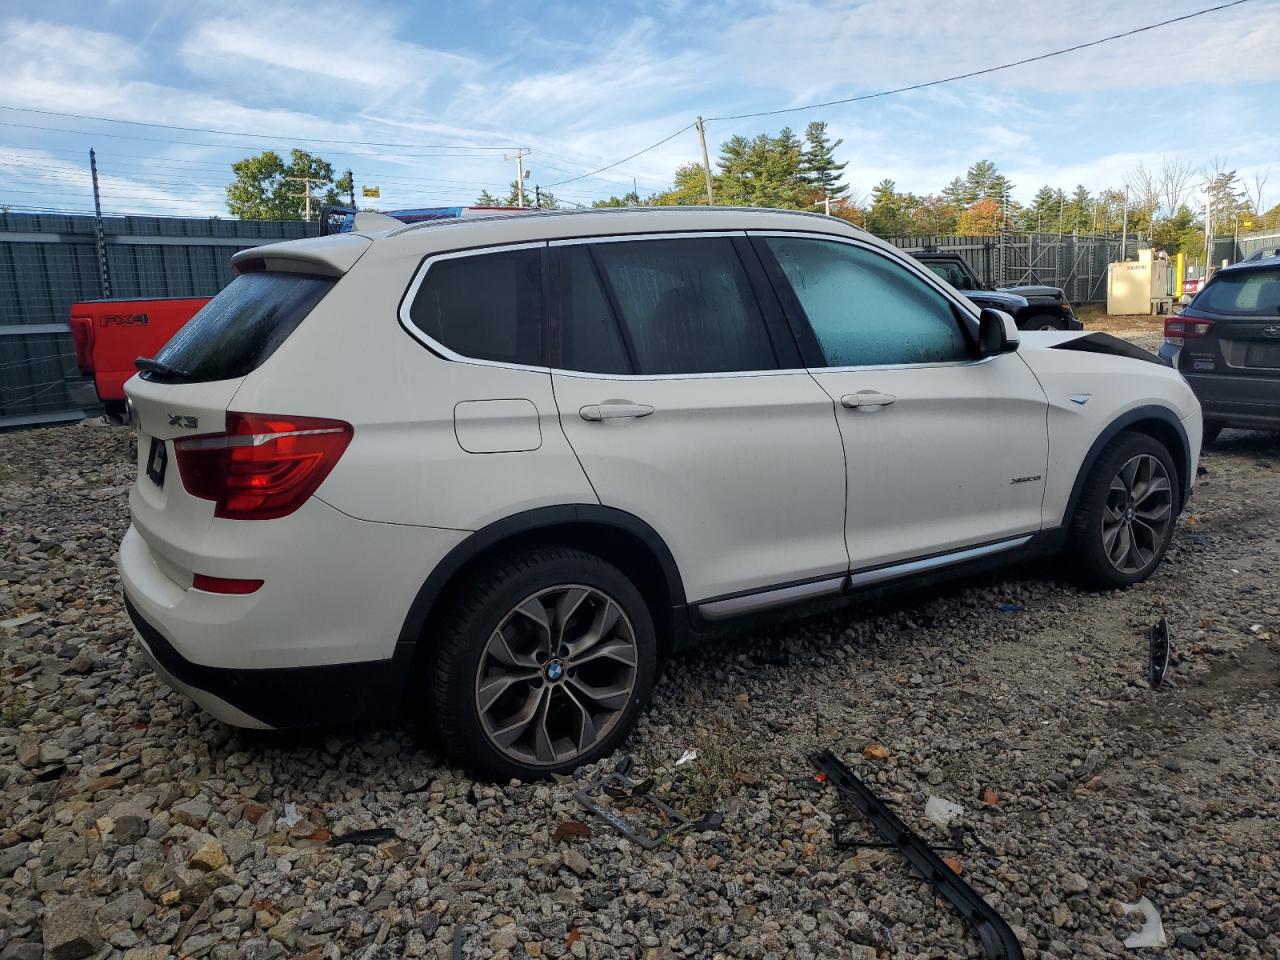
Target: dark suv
[1227, 344]
[1043, 308]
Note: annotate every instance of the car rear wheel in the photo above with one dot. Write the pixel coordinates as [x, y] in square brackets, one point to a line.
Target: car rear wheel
[1124, 520]
[542, 666]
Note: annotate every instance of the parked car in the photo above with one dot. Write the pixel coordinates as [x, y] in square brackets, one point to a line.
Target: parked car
[1226, 342]
[497, 470]
[1035, 307]
[110, 334]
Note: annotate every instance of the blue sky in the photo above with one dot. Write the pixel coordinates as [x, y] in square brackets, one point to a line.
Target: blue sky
[584, 84]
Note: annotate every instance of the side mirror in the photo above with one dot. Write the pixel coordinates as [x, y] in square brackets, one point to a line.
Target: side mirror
[997, 333]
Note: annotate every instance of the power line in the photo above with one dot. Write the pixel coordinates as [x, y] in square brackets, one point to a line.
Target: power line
[241, 133]
[919, 86]
[986, 70]
[619, 163]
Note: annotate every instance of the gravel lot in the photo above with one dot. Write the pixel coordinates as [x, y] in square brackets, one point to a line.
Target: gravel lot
[131, 824]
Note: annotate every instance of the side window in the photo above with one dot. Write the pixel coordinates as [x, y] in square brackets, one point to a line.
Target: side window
[866, 310]
[589, 336]
[487, 306]
[950, 273]
[686, 305]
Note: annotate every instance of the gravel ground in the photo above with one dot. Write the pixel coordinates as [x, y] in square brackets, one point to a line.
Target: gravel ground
[133, 825]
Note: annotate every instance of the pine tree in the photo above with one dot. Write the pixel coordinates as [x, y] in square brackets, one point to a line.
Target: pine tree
[818, 166]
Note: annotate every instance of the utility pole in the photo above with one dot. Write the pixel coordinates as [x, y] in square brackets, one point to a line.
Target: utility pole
[825, 203]
[518, 157]
[104, 275]
[706, 163]
[306, 194]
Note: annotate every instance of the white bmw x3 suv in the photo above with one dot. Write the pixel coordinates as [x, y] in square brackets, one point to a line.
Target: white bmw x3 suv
[494, 470]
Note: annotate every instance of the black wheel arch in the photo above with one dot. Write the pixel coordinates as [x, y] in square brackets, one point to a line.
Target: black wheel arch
[622, 538]
[1161, 424]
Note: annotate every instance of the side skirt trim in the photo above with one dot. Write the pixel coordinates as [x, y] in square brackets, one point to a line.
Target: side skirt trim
[833, 586]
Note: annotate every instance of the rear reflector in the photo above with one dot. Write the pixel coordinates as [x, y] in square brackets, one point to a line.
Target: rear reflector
[224, 584]
[264, 466]
[82, 339]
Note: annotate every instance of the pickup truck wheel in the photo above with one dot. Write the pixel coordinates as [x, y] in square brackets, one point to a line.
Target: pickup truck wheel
[542, 665]
[1211, 430]
[1125, 518]
[1046, 322]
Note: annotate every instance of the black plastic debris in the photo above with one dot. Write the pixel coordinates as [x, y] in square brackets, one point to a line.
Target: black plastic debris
[1158, 653]
[618, 785]
[997, 937]
[366, 837]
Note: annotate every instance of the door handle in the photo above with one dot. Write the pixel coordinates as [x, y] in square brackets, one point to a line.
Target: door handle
[614, 410]
[868, 400]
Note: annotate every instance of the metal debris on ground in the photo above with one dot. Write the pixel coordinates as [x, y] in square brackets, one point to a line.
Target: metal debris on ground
[1152, 932]
[687, 757]
[1158, 653]
[368, 837]
[997, 937]
[618, 785]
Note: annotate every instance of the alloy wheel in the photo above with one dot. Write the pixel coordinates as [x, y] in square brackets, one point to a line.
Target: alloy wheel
[1137, 514]
[556, 674]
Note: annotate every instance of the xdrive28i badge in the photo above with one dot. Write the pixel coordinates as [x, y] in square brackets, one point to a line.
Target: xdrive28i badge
[186, 423]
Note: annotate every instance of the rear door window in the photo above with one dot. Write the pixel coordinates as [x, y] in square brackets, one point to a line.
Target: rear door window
[1246, 293]
[486, 306]
[686, 306]
[239, 328]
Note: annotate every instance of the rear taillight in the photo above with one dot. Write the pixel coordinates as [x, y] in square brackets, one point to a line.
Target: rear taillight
[264, 466]
[82, 339]
[1178, 328]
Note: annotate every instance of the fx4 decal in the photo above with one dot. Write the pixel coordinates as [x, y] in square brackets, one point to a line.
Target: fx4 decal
[125, 320]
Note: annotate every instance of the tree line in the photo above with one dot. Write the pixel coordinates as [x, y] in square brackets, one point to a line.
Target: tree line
[1162, 206]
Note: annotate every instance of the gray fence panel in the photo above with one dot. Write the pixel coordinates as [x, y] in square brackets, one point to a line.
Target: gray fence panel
[50, 261]
[1251, 243]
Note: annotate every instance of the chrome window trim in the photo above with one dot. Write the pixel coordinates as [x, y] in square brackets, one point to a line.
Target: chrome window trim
[435, 346]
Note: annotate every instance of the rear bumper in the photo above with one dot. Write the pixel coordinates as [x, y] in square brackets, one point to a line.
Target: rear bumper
[1238, 401]
[282, 696]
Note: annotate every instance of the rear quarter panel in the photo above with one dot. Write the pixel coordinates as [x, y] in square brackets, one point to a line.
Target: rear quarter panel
[351, 360]
[1115, 386]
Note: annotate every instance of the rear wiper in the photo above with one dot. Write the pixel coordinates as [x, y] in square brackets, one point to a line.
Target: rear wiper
[148, 365]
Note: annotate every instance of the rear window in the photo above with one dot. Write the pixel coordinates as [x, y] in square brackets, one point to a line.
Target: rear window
[243, 325]
[1246, 293]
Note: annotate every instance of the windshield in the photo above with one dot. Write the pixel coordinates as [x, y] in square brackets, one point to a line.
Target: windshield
[951, 273]
[1247, 293]
[243, 325]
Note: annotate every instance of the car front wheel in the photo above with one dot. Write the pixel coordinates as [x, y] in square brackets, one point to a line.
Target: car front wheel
[1125, 517]
[543, 665]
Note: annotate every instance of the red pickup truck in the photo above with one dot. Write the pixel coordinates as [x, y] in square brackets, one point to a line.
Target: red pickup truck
[110, 334]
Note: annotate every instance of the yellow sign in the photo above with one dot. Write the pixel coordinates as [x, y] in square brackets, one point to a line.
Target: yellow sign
[1246, 224]
[373, 192]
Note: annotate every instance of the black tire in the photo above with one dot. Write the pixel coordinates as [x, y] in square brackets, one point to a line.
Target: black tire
[1085, 545]
[1045, 321]
[1211, 430]
[452, 675]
